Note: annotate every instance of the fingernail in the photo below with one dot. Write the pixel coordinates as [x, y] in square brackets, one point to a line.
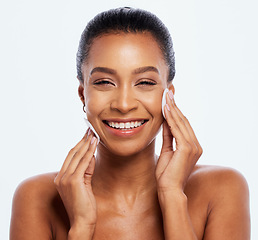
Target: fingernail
[93, 140]
[167, 107]
[89, 132]
[171, 95]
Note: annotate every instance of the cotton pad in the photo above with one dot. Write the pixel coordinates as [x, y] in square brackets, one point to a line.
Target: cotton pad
[164, 101]
[93, 130]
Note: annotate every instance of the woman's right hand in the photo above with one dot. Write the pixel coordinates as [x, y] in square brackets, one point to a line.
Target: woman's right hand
[73, 183]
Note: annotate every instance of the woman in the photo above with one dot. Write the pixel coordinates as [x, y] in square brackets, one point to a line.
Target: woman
[124, 62]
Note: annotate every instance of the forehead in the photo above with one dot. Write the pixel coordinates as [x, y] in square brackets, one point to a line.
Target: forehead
[125, 51]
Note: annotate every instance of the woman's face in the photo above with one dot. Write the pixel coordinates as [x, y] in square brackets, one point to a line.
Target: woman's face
[124, 78]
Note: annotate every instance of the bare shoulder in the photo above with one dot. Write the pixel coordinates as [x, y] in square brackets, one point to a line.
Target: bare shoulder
[37, 189]
[33, 202]
[213, 172]
[217, 183]
[224, 195]
[217, 179]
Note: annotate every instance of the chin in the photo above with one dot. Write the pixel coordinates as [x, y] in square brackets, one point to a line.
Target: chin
[128, 148]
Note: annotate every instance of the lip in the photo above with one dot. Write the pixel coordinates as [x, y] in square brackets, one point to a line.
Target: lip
[127, 132]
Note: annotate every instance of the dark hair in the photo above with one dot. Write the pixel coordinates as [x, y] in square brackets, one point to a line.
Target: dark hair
[127, 20]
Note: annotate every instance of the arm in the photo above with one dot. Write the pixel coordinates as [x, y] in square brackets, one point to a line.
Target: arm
[32, 201]
[176, 220]
[173, 170]
[73, 183]
[80, 232]
[229, 214]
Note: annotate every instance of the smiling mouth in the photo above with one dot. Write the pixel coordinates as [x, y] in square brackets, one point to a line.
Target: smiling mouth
[125, 125]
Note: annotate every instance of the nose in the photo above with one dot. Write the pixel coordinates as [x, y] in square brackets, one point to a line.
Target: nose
[124, 100]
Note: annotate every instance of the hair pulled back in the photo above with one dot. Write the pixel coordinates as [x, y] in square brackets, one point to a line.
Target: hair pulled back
[126, 20]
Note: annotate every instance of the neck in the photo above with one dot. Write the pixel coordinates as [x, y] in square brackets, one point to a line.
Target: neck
[130, 176]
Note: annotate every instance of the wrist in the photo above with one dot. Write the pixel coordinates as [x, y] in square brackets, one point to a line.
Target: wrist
[171, 192]
[173, 197]
[81, 231]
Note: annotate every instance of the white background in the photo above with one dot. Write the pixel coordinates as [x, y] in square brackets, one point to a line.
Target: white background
[41, 115]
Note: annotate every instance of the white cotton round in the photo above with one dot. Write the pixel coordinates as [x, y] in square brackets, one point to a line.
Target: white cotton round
[92, 128]
[164, 101]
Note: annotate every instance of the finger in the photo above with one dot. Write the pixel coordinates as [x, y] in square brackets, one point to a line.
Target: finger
[78, 156]
[167, 148]
[89, 171]
[189, 127]
[178, 120]
[84, 166]
[174, 128]
[184, 125]
[167, 138]
[71, 154]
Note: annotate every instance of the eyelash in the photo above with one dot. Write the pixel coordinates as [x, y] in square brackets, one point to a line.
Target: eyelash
[105, 82]
[146, 83]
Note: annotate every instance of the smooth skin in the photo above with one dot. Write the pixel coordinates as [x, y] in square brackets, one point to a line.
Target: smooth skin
[126, 191]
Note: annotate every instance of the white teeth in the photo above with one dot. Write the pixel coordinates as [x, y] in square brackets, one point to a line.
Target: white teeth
[126, 125]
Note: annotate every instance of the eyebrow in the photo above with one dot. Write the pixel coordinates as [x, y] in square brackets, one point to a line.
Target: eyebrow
[145, 69]
[136, 71]
[103, 70]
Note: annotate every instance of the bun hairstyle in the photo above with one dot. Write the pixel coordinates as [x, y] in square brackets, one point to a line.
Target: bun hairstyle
[126, 20]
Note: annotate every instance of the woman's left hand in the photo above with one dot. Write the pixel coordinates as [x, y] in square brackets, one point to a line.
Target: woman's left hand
[175, 165]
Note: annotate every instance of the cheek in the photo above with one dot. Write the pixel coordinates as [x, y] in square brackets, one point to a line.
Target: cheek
[153, 105]
[94, 103]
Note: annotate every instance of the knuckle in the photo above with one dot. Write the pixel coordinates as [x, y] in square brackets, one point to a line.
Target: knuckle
[200, 150]
[72, 151]
[171, 125]
[195, 150]
[88, 155]
[85, 158]
[78, 153]
[187, 148]
[181, 120]
[63, 181]
[56, 181]
[73, 181]
[186, 119]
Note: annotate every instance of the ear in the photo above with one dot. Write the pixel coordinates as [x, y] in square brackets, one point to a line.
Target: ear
[171, 87]
[81, 92]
